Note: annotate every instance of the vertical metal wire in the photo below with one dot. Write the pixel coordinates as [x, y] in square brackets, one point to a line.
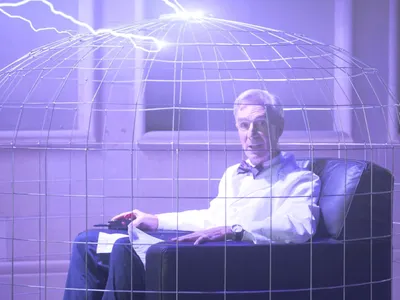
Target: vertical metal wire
[40, 183]
[12, 221]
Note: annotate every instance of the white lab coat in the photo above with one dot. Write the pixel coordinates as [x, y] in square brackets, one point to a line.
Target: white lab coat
[279, 206]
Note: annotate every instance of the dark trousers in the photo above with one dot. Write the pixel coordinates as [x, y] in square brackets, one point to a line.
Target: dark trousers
[118, 275]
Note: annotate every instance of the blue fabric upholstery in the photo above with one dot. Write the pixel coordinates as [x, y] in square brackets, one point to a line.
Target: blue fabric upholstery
[352, 247]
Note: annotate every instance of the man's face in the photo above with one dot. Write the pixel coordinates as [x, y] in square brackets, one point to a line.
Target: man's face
[257, 136]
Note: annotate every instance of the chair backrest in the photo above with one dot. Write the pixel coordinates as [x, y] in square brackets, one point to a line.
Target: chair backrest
[356, 198]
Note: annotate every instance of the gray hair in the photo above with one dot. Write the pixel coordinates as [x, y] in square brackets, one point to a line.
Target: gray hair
[264, 98]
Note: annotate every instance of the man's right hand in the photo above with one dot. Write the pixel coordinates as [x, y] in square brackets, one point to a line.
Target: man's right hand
[141, 220]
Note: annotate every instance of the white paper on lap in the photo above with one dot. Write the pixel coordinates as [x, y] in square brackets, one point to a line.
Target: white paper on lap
[141, 241]
[106, 241]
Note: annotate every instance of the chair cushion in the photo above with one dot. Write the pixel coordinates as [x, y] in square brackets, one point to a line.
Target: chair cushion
[356, 197]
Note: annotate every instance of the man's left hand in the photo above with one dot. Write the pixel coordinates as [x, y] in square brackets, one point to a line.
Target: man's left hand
[215, 234]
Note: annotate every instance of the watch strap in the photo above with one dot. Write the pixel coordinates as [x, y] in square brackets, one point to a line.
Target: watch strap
[237, 235]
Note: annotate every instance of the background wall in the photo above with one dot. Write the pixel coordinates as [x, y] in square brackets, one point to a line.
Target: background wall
[48, 196]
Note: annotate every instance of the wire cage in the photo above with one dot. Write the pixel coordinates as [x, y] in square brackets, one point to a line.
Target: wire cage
[142, 117]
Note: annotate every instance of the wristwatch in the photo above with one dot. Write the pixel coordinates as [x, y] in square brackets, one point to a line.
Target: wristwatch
[237, 232]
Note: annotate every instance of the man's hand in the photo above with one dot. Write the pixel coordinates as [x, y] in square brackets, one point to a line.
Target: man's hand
[209, 235]
[141, 220]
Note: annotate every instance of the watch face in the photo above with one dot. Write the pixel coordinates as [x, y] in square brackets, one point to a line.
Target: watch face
[237, 228]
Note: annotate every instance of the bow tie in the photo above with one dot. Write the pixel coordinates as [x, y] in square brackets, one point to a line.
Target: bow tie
[246, 168]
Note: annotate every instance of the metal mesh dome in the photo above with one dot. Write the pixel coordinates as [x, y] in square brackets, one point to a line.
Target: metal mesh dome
[165, 84]
[185, 77]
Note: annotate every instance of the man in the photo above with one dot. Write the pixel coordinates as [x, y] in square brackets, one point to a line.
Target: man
[265, 199]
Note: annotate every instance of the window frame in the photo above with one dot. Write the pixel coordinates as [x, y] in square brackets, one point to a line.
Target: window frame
[343, 37]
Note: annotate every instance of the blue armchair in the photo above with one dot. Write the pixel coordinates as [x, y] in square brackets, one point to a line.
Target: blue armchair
[348, 258]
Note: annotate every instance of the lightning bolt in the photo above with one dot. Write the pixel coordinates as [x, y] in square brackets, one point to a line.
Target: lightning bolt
[31, 25]
[131, 37]
[175, 6]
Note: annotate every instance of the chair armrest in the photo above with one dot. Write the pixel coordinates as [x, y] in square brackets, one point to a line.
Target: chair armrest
[240, 268]
[232, 266]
